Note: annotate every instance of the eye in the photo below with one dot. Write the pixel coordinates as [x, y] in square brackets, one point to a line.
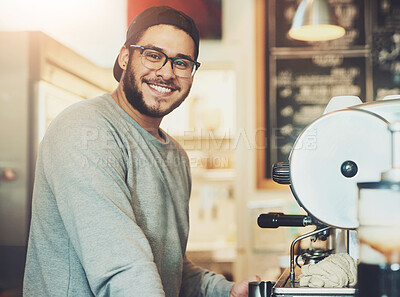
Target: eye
[182, 63]
[153, 55]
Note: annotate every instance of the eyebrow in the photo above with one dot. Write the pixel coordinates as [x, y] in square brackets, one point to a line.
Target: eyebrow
[162, 50]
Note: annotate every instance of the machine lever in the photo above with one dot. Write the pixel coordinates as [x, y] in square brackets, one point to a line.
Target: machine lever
[278, 219]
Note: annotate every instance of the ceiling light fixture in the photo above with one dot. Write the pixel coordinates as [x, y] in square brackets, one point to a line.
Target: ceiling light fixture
[315, 21]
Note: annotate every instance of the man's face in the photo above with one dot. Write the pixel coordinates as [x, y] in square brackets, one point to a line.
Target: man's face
[156, 93]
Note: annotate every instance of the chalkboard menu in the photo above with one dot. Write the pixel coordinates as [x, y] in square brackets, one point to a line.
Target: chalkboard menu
[304, 76]
[301, 77]
[386, 48]
[304, 85]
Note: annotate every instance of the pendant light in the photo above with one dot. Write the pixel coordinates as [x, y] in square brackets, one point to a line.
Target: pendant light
[315, 21]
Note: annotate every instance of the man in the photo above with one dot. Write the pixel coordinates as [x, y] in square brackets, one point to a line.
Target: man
[110, 202]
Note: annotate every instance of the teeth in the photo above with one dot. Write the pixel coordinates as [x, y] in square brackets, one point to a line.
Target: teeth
[161, 89]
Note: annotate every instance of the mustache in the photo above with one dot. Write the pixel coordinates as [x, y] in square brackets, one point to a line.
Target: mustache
[160, 81]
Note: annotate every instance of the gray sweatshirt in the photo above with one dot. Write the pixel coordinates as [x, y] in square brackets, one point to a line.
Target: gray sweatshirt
[110, 211]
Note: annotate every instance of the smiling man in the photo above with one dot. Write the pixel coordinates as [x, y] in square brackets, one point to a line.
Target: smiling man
[153, 84]
[111, 194]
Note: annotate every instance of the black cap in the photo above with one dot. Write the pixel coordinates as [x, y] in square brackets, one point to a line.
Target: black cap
[158, 15]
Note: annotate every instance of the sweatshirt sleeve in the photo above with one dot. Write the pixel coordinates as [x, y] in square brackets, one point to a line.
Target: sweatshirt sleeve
[198, 282]
[85, 169]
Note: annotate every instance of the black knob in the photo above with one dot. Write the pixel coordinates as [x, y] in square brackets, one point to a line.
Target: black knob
[281, 173]
[349, 169]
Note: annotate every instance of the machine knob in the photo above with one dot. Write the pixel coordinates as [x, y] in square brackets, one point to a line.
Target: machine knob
[281, 173]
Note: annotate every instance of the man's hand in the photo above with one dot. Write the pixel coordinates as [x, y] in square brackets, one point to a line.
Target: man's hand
[241, 289]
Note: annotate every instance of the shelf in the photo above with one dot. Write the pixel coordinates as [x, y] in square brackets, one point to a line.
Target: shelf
[216, 251]
[214, 174]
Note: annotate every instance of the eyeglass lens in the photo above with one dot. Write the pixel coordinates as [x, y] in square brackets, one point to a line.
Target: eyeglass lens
[155, 60]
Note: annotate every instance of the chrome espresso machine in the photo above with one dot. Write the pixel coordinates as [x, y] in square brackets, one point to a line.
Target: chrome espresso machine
[344, 171]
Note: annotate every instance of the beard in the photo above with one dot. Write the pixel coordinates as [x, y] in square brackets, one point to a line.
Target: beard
[135, 97]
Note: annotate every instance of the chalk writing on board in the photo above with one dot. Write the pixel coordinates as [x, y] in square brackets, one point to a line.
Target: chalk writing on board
[304, 86]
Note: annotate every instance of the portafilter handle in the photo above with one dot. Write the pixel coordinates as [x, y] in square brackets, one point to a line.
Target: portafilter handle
[278, 219]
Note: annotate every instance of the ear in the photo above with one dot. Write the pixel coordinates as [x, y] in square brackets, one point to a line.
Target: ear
[123, 57]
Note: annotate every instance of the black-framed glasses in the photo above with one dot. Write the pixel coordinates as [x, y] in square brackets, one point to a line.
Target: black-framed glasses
[154, 59]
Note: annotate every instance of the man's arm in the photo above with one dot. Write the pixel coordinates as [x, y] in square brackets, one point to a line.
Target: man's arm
[241, 289]
[197, 281]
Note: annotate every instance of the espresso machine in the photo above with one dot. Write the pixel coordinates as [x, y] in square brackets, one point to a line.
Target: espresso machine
[336, 158]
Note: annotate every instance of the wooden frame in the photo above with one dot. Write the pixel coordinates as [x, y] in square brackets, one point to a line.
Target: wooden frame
[261, 108]
[260, 91]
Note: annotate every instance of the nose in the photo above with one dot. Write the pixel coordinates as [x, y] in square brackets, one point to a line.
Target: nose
[166, 71]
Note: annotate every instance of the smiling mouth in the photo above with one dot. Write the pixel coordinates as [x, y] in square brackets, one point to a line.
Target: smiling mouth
[161, 89]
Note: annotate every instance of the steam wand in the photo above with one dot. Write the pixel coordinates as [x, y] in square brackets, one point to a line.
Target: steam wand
[316, 231]
[277, 219]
